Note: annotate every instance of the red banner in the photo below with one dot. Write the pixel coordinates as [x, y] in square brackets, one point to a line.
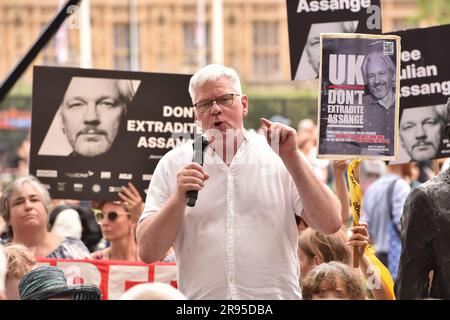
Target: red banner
[114, 277]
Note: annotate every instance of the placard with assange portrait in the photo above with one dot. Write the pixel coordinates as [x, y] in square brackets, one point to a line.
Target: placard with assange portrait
[307, 19]
[359, 96]
[424, 91]
[93, 131]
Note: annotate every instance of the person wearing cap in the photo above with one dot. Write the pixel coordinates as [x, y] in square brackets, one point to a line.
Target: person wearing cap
[49, 283]
[425, 236]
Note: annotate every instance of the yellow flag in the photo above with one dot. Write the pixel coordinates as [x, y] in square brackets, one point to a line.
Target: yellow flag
[356, 200]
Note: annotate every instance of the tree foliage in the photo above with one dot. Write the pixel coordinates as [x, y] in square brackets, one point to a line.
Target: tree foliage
[432, 11]
[294, 109]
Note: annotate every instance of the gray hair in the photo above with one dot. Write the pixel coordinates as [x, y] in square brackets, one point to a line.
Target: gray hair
[211, 73]
[387, 60]
[327, 274]
[442, 112]
[15, 186]
[126, 91]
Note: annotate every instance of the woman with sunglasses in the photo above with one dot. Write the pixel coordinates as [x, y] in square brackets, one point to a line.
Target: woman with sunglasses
[117, 220]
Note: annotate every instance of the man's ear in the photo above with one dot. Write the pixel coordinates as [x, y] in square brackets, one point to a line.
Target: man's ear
[244, 101]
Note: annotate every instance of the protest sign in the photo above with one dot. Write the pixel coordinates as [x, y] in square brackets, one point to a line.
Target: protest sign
[424, 90]
[94, 131]
[359, 96]
[308, 18]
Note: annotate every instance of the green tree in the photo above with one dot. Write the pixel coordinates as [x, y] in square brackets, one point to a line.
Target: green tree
[433, 11]
[289, 103]
[18, 98]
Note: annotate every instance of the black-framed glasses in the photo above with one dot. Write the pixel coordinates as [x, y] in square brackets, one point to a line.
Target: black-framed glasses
[112, 216]
[226, 100]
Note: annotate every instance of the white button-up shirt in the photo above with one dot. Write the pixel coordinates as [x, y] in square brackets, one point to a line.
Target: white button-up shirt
[240, 239]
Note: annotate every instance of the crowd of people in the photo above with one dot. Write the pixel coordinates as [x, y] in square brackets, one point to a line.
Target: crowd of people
[272, 229]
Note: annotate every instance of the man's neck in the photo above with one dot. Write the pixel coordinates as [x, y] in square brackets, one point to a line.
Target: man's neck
[227, 146]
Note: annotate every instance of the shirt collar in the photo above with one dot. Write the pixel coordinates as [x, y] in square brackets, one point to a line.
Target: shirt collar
[248, 136]
[370, 99]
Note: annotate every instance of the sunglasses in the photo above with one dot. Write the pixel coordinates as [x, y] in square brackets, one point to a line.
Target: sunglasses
[112, 216]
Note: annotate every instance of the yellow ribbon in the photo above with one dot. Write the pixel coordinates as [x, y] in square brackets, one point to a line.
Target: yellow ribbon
[356, 200]
[385, 275]
[355, 190]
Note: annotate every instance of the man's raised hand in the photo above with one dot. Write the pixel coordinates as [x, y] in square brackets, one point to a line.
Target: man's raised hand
[282, 138]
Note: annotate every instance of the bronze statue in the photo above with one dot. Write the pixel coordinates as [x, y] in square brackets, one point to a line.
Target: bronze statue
[424, 270]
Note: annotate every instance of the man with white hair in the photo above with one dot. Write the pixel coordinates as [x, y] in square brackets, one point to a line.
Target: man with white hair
[243, 224]
[379, 104]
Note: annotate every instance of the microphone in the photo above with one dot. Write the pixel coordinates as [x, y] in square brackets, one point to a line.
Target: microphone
[200, 144]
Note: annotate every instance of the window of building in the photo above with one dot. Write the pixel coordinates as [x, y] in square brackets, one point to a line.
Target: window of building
[121, 46]
[190, 53]
[266, 50]
[49, 51]
[191, 45]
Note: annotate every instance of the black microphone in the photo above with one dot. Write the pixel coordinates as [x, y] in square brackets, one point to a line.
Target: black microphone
[200, 144]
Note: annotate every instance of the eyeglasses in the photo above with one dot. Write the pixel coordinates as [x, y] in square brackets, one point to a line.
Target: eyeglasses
[226, 100]
[112, 216]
